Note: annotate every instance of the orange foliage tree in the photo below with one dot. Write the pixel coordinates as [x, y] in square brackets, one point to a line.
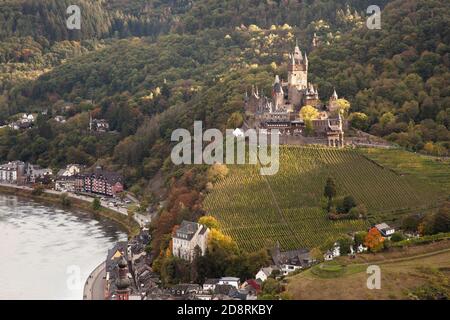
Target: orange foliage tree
[374, 240]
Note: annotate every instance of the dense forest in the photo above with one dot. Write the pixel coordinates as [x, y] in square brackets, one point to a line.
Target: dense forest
[149, 67]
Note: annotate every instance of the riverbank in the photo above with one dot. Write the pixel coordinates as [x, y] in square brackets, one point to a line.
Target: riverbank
[94, 287]
[130, 225]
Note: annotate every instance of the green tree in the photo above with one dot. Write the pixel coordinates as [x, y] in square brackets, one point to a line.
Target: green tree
[330, 191]
[348, 203]
[96, 205]
[441, 221]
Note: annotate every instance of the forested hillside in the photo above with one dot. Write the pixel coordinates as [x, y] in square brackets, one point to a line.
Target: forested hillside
[149, 67]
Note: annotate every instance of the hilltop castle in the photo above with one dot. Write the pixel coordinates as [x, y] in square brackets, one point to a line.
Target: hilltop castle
[288, 97]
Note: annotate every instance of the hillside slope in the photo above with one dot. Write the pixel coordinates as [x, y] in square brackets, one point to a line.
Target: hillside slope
[288, 207]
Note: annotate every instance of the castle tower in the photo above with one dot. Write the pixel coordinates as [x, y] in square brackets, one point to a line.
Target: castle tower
[298, 69]
[332, 103]
[122, 282]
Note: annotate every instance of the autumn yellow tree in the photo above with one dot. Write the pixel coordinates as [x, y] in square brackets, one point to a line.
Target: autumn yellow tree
[218, 239]
[343, 107]
[209, 221]
[309, 113]
[374, 240]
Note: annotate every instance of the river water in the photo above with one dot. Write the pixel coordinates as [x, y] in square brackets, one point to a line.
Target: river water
[47, 252]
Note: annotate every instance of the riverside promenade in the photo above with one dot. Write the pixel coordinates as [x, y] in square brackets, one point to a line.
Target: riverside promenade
[94, 287]
[140, 219]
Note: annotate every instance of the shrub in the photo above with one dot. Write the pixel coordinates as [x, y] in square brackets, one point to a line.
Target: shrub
[65, 200]
[37, 190]
[96, 205]
[348, 203]
[397, 236]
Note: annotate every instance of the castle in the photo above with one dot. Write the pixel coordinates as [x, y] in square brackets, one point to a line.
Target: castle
[281, 111]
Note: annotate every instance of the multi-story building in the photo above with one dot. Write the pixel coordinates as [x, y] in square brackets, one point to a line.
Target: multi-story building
[13, 172]
[188, 237]
[100, 182]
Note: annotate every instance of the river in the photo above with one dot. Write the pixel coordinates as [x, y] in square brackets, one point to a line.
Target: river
[47, 252]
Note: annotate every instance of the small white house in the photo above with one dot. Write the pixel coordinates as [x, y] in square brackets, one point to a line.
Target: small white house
[359, 249]
[385, 229]
[231, 281]
[264, 273]
[333, 252]
[210, 284]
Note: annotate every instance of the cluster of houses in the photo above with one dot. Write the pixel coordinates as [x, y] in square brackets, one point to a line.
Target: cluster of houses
[128, 272]
[21, 173]
[129, 275]
[24, 122]
[74, 178]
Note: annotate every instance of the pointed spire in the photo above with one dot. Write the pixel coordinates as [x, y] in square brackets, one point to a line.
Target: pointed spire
[334, 96]
[277, 79]
[306, 59]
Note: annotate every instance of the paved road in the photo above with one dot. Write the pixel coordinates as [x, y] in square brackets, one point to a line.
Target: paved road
[94, 288]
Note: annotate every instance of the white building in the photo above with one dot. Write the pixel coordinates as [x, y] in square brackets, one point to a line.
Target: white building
[231, 281]
[210, 285]
[187, 237]
[385, 229]
[332, 253]
[70, 170]
[264, 273]
[12, 172]
[35, 172]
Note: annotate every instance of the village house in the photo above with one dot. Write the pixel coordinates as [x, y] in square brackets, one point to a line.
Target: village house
[188, 237]
[70, 170]
[36, 173]
[98, 125]
[232, 281]
[184, 289]
[264, 273]
[332, 253]
[210, 284]
[60, 119]
[385, 230]
[289, 261]
[66, 178]
[359, 249]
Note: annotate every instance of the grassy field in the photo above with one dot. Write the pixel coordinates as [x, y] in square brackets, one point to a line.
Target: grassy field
[406, 278]
[258, 211]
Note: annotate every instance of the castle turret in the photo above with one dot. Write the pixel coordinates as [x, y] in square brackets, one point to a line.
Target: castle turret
[298, 70]
[332, 103]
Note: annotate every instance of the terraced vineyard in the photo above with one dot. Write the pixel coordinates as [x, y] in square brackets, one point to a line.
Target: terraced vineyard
[258, 211]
